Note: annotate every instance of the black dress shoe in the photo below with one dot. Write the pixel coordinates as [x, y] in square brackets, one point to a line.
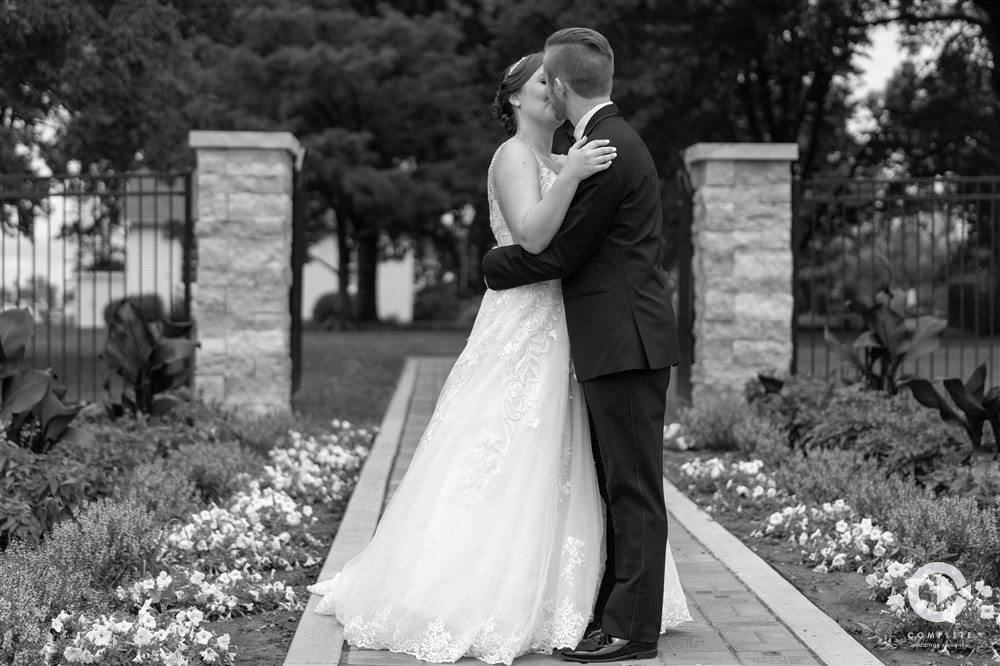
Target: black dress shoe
[591, 637]
[608, 648]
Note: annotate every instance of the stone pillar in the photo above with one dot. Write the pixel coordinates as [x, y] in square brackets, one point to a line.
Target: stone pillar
[742, 262]
[240, 303]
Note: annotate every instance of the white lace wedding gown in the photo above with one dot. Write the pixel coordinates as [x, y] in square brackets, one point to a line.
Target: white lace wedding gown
[492, 546]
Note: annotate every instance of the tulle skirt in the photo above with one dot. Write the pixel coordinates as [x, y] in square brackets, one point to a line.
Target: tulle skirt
[492, 546]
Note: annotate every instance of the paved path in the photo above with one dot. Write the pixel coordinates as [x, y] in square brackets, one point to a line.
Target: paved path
[744, 612]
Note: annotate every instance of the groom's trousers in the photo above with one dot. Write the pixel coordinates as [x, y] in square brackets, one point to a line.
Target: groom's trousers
[626, 425]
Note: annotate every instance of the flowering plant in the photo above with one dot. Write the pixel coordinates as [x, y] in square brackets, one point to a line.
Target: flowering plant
[221, 596]
[322, 469]
[743, 482]
[969, 615]
[244, 533]
[113, 640]
[831, 536]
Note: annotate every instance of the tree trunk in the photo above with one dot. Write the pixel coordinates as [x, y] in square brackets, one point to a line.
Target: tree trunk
[367, 258]
[346, 315]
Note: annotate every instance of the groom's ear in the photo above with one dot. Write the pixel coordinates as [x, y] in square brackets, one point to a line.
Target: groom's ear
[559, 86]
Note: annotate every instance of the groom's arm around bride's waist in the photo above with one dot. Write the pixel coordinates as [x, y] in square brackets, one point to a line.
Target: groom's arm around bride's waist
[580, 236]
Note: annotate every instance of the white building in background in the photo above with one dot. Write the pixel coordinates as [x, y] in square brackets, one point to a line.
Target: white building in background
[394, 282]
[152, 239]
[153, 211]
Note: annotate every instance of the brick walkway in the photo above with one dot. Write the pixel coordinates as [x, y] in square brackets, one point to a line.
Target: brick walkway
[744, 612]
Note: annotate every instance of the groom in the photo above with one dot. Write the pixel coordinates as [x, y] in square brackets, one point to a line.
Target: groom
[623, 338]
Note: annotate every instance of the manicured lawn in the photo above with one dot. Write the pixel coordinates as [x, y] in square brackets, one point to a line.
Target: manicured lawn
[352, 374]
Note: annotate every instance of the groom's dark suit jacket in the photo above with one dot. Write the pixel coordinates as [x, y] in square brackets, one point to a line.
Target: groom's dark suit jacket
[607, 253]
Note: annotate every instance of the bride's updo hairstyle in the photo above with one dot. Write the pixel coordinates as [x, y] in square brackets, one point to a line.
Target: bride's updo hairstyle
[513, 79]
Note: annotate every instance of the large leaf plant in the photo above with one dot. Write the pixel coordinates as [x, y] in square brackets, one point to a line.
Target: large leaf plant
[32, 412]
[149, 359]
[889, 339]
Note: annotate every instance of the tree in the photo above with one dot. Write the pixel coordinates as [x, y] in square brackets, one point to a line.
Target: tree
[381, 102]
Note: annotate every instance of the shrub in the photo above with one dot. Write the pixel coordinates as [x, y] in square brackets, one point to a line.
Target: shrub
[711, 422]
[163, 490]
[261, 434]
[36, 491]
[31, 589]
[217, 469]
[109, 540]
[327, 309]
[951, 529]
[763, 438]
[76, 566]
[436, 303]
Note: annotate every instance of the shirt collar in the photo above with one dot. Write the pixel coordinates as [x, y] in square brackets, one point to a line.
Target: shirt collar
[582, 125]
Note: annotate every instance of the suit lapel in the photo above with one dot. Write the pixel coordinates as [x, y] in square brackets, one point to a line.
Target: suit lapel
[602, 113]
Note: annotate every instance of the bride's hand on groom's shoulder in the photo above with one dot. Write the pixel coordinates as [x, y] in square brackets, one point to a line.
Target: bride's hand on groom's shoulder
[586, 158]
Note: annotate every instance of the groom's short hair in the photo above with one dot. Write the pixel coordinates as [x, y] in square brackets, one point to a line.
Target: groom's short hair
[582, 58]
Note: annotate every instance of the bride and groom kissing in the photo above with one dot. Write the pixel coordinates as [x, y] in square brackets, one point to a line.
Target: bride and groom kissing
[532, 518]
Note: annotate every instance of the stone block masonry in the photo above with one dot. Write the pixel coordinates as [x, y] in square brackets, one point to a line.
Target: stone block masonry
[742, 262]
[244, 189]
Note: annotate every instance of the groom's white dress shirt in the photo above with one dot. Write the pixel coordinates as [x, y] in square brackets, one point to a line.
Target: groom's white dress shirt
[582, 125]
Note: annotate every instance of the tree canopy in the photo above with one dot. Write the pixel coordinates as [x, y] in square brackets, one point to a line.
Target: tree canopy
[391, 99]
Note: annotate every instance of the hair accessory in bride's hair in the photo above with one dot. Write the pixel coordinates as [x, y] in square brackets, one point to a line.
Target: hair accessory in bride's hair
[514, 66]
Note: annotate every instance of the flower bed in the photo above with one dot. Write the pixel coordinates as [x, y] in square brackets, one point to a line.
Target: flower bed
[823, 476]
[199, 530]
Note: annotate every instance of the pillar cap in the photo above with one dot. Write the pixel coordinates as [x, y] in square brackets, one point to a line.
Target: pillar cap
[244, 140]
[741, 152]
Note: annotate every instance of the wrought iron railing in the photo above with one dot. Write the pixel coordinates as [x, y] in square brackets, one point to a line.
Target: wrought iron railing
[936, 239]
[71, 246]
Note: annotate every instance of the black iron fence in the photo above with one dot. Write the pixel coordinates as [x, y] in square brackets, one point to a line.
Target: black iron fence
[934, 239]
[73, 246]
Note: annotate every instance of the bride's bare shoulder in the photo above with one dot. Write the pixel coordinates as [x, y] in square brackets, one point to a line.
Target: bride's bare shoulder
[515, 157]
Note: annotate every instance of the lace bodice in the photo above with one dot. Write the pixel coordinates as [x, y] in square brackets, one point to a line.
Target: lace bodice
[498, 225]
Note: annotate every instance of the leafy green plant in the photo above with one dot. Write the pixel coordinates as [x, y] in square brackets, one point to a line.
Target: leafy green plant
[31, 408]
[889, 340]
[710, 422]
[977, 405]
[149, 358]
[35, 492]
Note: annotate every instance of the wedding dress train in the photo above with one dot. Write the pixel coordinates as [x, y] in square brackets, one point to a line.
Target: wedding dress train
[492, 546]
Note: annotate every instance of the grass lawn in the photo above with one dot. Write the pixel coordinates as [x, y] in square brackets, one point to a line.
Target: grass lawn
[352, 374]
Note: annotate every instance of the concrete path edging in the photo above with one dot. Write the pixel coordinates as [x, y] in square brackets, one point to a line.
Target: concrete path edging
[319, 639]
[811, 625]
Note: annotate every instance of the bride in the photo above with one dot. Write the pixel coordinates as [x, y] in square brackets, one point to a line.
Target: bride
[492, 546]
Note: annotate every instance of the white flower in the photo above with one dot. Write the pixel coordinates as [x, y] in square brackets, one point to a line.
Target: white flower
[99, 635]
[987, 612]
[223, 642]
[209, 655]
[197, 577]
[841, 526]
[878, 550]
[839, 561]
[203, 637]
[163, 581]
[143, 637]
[775, 519]
[821, 568]
[871, 580]
[984, 590]
[57, 625]
[896, 603]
